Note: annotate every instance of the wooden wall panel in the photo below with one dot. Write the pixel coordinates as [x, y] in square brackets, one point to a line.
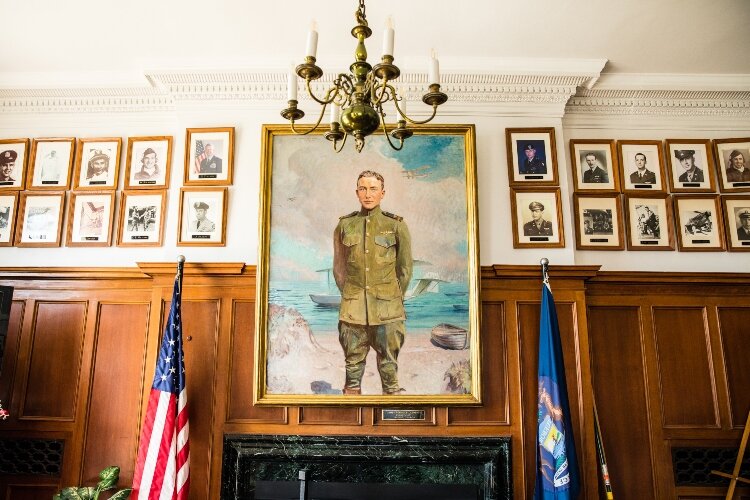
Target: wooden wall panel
[118, 375]
[494, 409]
[528, 325]
[734, 325]
[331, 416]
[200, 330]
[10, 354]
[686, 376]
[240, 404]
[52, 380]
[618, 379]
[30, 492]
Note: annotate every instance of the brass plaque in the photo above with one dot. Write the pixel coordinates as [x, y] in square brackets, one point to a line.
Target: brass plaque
[402, 414]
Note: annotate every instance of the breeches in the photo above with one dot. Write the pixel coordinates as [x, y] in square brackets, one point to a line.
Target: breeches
[386, 340]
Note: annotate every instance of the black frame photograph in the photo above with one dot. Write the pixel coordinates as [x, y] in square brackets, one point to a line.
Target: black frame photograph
[532, 156]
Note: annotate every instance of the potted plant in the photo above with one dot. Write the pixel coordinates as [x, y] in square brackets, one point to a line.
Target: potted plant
[108, 480]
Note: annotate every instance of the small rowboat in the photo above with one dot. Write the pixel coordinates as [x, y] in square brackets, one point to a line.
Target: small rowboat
[450, 336]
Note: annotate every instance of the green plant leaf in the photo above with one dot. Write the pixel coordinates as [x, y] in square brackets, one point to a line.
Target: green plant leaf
[122, 494]
[73, 493]
[109, 477]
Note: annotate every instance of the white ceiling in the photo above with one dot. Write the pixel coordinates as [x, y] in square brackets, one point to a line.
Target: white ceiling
[116, 42]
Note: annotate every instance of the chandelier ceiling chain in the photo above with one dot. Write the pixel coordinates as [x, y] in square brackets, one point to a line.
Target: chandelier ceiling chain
[357, 98]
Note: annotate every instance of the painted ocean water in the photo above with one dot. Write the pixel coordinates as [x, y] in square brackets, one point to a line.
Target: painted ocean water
[448, 303]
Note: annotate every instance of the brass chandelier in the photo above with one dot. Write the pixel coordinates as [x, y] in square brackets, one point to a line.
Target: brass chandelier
[357, 98]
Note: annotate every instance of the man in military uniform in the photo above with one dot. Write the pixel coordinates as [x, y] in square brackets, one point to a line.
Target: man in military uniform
[736, 171]
[642, 175]
[595, 173]
[532, 164]
[201, 224]
[210, 164]
[743, 232]
[372, 265]
[692, 173]
[537, 226]
[7, 165]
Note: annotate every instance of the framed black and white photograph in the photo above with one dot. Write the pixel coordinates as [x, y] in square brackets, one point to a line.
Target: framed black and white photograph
[40, 222]
[141, 218]
[13, 159]
[209, 156]
[733, 157]
[51, 163]
[537, 218]
[691, 166]
[648, 219]
[97, 163]
[149, 162]
[699, 223]
[8, 210]
[736, 211]
[595, 165]
[532, 156]
[598, 219]
[90, 218]
[202, 217]
[642, 166]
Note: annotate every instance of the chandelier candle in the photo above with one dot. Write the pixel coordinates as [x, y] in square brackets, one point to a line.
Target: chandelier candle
[388, 35]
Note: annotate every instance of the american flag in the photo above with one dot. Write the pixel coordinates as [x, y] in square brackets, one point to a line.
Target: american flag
[199, 155]
[163, 467]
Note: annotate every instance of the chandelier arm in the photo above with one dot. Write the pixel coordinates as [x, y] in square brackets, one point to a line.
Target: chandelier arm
[385, 87]
[315, 127]
[342, 144]
[388, 137]
[327, 99]
[418, 122]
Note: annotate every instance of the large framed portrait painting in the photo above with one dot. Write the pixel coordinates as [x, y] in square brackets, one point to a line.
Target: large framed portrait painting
[368, 288]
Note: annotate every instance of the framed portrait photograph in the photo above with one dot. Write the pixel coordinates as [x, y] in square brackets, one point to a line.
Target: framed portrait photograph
[537, 218]
[699, 223]
[90, 218]
[141, 218]
[97, 163]
[532, 156]
[51, 163]
[642, 166]
[736, 211]
[358, 293]
[40, 222]
[598, 219]
[691, 166]
[648, 219]
[209, 156]
[203, 214]
[13, 159]
[733, 156]
[595, 165]
[8, 210]
[149, 162]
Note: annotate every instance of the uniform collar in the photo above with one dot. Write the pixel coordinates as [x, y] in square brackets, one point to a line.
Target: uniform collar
[366, 213]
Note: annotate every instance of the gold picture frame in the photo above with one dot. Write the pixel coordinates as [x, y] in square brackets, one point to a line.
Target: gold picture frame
[51, 163]
[699, 223]
[595, 165]
[736, 211]
[40, 219]
[641, 166]
[733, 153]
[203, 217]
[97, 163]
[8, 216]
[696, 154]
[431, 182]
[14, 155]
[142, 214]
[649, 221]
[149, 162]
[537, 218]
[599, 221]
[202, 169]
[532, 156]
[90, 219]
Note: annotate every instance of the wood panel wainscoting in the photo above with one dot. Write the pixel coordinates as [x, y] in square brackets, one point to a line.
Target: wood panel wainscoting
[664, 354]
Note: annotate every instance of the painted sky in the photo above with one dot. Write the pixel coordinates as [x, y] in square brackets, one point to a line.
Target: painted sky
[312, 187]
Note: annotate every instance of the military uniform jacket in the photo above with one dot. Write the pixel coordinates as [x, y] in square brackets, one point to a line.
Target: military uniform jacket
[648, 177]
[211, 166]
[372, 265]
[697, 176]
[531, 229]
[734, 175]
[597, 175]
[535, 166]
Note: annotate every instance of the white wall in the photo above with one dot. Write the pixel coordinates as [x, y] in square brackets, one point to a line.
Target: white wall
[496, 240]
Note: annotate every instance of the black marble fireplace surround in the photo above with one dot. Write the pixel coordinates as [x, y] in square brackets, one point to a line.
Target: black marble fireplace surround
[409, 461]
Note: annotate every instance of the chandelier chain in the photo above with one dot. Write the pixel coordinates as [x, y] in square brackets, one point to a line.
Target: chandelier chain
[360, 15]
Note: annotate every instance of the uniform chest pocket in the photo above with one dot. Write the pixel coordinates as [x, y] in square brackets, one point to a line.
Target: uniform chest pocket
[351, 239]
[386, 247]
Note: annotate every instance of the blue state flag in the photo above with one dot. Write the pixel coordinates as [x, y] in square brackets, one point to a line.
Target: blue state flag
[556, 464]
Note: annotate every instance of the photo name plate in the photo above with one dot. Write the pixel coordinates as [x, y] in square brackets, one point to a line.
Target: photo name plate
[402, 414]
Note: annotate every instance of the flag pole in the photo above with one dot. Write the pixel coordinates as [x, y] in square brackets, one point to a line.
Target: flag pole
[180, 270]
[545, 270]
[602, 457]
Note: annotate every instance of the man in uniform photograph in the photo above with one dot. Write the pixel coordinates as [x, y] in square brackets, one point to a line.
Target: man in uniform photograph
[98, 167]
[210, 164]
[736, 170]
[692, 173]
[537, 226]
[7, 165]
[372, 266]
[595, 173]
[642, 175]
[743, 231]
[149, 166]
[532, 164]
[201, 223]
